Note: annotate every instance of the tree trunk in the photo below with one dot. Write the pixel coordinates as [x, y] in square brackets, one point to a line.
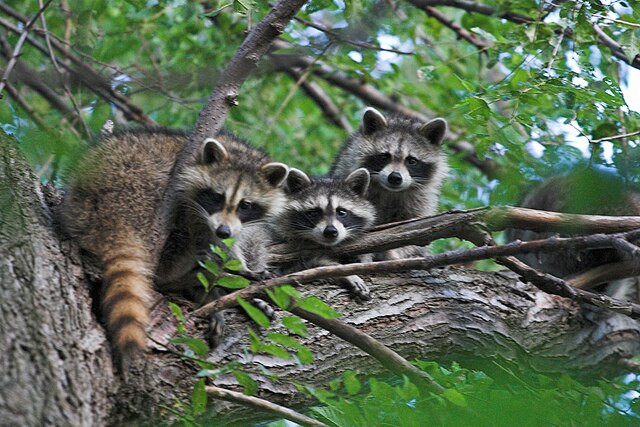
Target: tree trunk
[56, 364]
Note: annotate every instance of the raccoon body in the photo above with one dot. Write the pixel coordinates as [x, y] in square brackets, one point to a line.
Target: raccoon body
[407, 166]
[585, 192]
[322, 213]
[115, 193]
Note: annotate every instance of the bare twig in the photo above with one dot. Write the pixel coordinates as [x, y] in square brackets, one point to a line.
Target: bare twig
[339, 37]
[84, 73]
[63, 80]
[13, 93]
[372, 96]
[475, 40]
[545, 282]
[611, 138]
[604, 274]
[18, 47]
[265, 405]
[322, 99]
[383, 354]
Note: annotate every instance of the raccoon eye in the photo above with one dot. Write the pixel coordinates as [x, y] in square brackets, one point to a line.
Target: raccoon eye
[244, 205]
[412, 161]
[248, 211]
[341, 212]
[210, 200]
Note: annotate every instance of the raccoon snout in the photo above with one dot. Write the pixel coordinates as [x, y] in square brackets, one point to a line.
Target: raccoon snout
[223, 231]
[330, 232]
[395, 179]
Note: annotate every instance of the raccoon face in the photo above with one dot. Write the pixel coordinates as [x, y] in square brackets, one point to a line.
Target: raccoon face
[400, 154]
[326, 211]
[229, 194]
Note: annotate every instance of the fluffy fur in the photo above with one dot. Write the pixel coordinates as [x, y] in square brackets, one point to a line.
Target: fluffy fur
[407, 166]
[114, 195]
[323, 213]
[583, 192]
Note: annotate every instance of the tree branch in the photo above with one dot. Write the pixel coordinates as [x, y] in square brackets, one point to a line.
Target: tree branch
[372, 96]
[475, 40]
[225, 95]
[265, 405]
[18, 47]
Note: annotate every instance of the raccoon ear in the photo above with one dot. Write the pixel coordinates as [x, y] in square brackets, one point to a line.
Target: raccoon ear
[297, 181]
[275, 173]
[358, 181]
[372, 121]
[434, 130]
[213, 152]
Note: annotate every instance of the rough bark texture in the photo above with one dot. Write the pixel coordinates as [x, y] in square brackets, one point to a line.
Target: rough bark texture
[55, 362]
[54, 358]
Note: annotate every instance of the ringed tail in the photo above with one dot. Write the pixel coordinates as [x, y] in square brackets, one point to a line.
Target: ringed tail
[125, 297]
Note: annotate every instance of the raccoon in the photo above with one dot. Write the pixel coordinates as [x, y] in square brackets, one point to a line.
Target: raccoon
[587, 192]
[407, 165]
[115, 193]
[323, 213]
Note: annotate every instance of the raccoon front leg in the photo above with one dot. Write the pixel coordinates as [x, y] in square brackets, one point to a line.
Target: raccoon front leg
[356, 287]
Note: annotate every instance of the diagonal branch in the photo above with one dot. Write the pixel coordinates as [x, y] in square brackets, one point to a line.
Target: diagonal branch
[372, 96]
[225, 95]
[477, 41]
[18, 47]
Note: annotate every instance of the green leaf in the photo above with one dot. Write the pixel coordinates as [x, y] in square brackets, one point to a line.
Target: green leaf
[233, 282]
[233, 265]
[203, 280]
[254, 313]
[296, 325]
[276, 351]
[280, 297]
[177, 311]
[305, 356]
[455, 397]
[317, 306]
[199, 398]
[220, 252]
[351, 383]
[254, 340]
[284, 340]
[210, 266]
[229, 242]
[250, 386]
[198, 346]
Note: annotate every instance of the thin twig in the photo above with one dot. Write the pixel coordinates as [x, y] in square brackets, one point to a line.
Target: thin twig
[604, 274]
[611, 138]
[474, 39]
[447, 258]
[63, 80]
[339, 37]
[18, 47]
[265, 405]
[31, 112]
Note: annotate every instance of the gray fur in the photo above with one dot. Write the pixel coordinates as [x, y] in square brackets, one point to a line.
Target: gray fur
[585, 192]
[114, 195]
[329, 196]
[402, 138]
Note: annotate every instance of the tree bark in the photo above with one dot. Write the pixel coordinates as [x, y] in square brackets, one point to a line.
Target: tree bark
[56, 367]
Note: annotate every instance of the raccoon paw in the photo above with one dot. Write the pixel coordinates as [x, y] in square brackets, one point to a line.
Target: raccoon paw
[215, 333]
[357, 287]
[265, 307]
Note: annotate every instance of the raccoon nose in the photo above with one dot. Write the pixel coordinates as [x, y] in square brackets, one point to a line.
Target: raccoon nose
[394, 178]
[223, 231]
[330, 232]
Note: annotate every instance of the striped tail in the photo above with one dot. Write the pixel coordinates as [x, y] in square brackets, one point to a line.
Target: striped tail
[125, 298]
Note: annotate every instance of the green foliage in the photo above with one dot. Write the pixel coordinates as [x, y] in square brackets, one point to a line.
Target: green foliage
[474, 398]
